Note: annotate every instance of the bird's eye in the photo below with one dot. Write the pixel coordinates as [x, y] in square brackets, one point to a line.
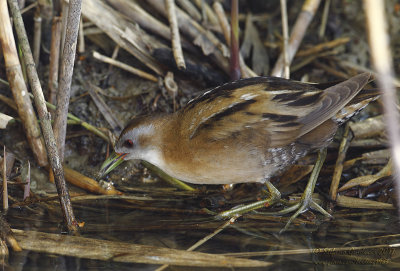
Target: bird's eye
[128, 143]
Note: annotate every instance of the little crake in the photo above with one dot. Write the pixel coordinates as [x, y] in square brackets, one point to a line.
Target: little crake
[244, 131]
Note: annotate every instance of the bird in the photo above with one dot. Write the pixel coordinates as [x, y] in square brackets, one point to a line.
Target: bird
[248, 130]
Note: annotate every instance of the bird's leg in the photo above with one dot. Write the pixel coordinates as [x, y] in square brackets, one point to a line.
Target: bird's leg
[274, 197]
[306, 200]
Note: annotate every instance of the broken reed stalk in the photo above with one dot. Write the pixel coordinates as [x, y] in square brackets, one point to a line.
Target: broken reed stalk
[234, 48]
[175, 37]
[27, 186]
[5, 189]
[110, 251]
[81, 48]
[226, 29]
[223, 21]
[18, 87]
[125, 67]
[67, 68]
[133, 40]
[337, 173]
[195, 31]
[54, 59]
[208, 14]
[45, 118]
[324, 19]
[383, 64]
[37, 36]
[285, 31]
[299, 29]
[188, 6]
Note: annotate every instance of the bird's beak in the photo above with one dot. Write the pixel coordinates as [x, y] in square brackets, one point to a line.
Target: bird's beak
[112, 162]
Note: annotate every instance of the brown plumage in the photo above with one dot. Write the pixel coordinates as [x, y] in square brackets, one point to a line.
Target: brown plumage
[244, 131]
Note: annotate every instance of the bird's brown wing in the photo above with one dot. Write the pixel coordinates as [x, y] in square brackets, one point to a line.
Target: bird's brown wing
[282, 109]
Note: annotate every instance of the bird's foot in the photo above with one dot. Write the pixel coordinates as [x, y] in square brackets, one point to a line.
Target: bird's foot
[306, 200]
[274, 197]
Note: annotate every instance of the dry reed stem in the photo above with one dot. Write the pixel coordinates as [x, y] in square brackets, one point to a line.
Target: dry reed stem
[223, 21]
[125, 67]
[18, 87]
[122, 32]
[190, 9]
[298, 31]
[104, 250]
[45, 118]
[54, 59]
[383, 64]
[5, 189]
[337, 173]
[175, 37]
[285, 31]
[67, 68]
[81, 48]
[37, 37]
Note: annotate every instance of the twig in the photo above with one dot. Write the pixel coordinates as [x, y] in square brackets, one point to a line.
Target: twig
[114, 122]
[382, 60]
[84, 124]
[37, 36]
[337, 173]
[27, 186]
[223, 21]
[190, 9]
[298, 32]
[285, 31]
[5, 189]
[125, 67]
[208, 14]
[234, 46]
[54, 59]
[45, 118]
[245, 71]
[195, 31]
[31, 6]
[324, 19]
[323, 46]
[133, 40]
[175, 37]
[205, 239]
[113, 56]
[81, 48]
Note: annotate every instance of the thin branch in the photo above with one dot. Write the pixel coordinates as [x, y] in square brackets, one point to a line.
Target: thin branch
[125, 67]
[175, 37]
[5, 189]
[285, 30]
[54, 59]
[234, 60]
[37, 36]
